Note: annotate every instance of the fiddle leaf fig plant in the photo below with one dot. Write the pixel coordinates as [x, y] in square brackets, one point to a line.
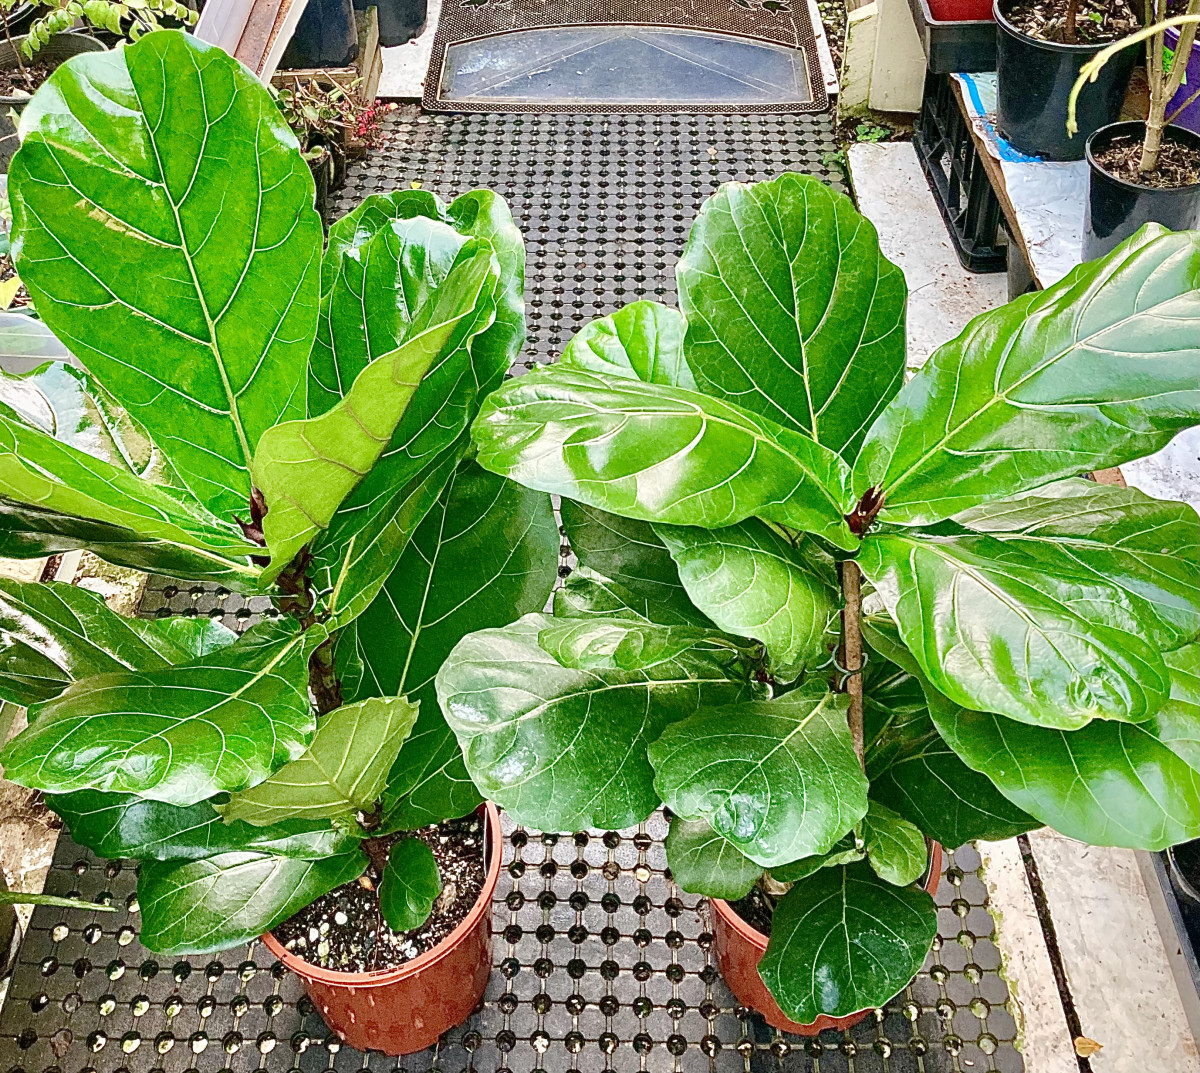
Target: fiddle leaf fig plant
[828, 617]
[252, 405]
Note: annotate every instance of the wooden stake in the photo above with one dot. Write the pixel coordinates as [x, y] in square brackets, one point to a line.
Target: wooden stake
[852, 651]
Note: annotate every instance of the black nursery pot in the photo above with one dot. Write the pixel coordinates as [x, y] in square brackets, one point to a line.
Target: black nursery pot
[399, 20]
[1116, 208]
[326, 36]
[1034, 80]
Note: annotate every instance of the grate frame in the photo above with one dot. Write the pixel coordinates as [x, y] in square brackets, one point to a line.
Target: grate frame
[605, 203]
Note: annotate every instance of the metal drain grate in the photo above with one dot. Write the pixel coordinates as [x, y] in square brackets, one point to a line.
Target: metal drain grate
[600, 962]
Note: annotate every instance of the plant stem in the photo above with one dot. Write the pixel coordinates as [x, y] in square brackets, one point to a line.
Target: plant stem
[16, 53]
[1069, 30]
[377, 850]
[852, 651]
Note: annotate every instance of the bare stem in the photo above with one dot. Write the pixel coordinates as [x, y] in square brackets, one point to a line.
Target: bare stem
[1069, 30]
[852, 651]
[15, 51]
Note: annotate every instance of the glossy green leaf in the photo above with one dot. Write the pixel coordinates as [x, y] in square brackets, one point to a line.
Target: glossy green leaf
[485, 555]
[120, 826]
[626, 551]
[202, 906]
[66, 403]
[341, 772]
[778, 778]
[1177, 723]
[24, 338]
[359, 551]
[411, 884]
[170, 156]
[306, 468]
[848, 849]
[895, 848]
[845, 940]
[1150, 548]
[367, 295]
[792, 310]
[916, 774]
[1098, 369]
[1108, 784]
[181, 734]
[703, 862]
[659, 453]
[52, 634]
[564, 749]
[55, 498]
[587, 594]
[749, 580]
[998, 630]
[597, 643]
[643, 341]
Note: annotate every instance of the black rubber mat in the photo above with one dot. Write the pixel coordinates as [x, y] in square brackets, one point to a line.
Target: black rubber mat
[601, 963]
[784, 23]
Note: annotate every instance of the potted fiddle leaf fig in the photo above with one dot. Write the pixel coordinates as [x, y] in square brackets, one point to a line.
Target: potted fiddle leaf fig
[253, 407]
[831, 619]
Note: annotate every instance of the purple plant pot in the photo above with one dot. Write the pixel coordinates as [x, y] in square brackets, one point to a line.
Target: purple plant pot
[1189, 118]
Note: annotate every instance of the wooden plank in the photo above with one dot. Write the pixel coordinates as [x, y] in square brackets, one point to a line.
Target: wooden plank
[994, 173]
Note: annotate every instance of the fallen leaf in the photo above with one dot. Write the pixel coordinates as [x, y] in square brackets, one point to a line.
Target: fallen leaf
[1085, 1047]
[8, 291]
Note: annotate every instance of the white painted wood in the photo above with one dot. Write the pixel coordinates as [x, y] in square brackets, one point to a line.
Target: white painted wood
[275, 52]
[942, 295]
[1043, 1036]
[1118, 972]
[222, 21]
[898, 65]
[858, 56]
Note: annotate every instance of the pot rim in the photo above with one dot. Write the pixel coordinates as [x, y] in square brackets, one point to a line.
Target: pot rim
[381, 977]
[759, 941]
[96, 46]
[1134, 125]
[1038, 42]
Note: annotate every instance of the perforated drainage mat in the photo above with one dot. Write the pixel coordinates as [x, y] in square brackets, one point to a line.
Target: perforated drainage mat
[601, 962]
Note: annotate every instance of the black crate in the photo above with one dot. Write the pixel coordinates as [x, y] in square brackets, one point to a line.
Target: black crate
[959, 181]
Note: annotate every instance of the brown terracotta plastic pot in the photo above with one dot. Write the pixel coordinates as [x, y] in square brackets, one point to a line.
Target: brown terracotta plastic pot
[404, 1010]
[739, 948]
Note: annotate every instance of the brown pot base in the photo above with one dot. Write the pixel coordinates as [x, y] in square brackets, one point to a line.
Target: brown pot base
[739, 948]
[406, 1009]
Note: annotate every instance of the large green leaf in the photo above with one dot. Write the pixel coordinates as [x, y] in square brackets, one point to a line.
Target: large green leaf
[164, 225]
[749, 580]
[411, 884]
[341, 772]
[53, 634]
[792, 311]
[65, 402]
[848, 849]
[368, 290]
[844, 940]
[999, 629]
[1108, 784]
[586, 593]
[306, 468]
[659, 453]
[703, 862]
[564, 749]
[626, 551]
[125, 825]
[895, 848]
[359, 551]
[55, 498]
[595, 643]
[643, 341]
[916, 774]
[1150, 548]
[485, 555]
[1094, 371]
[181, 734]
[778, 778]
[202, 906]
